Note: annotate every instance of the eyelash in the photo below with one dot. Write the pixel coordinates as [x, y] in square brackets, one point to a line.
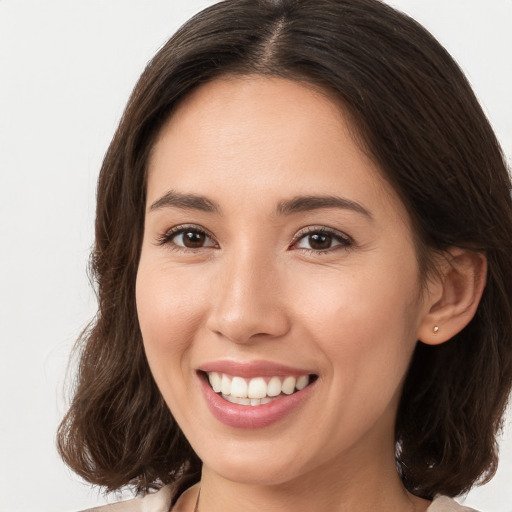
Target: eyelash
[167, 237]
[344, 241]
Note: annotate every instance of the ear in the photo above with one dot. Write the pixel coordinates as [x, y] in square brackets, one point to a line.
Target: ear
[453, 295]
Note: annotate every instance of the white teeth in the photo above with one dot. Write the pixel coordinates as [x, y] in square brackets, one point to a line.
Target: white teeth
[215, 381]
[237, 400]
[302, 382]
[257, 388]
[288, 386]
[254, 391]
[225, 385]
[239, 387]
[274, 386]
[247, 401]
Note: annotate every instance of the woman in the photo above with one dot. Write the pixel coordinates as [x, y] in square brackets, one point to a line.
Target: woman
[304, 277]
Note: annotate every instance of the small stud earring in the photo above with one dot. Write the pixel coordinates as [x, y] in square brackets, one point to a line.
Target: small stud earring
[435, 330]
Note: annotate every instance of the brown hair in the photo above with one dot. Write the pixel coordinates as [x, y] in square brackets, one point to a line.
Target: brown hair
[421, 122]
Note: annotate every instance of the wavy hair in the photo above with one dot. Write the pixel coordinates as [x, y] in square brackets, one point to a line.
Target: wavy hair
[418, 118]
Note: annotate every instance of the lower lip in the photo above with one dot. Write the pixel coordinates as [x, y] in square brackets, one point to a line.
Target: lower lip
[248, 416]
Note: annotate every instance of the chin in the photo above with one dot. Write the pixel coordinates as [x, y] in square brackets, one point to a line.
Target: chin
[254, 463]
[259, 474]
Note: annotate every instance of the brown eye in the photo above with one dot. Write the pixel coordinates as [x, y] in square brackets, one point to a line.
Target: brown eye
[322, 241]
[193, 239]
[188, 238]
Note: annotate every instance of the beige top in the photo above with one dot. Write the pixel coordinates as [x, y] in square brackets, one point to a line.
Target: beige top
[161, 500]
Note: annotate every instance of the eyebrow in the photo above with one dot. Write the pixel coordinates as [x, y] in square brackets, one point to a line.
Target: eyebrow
[298, 204]
[173, 199]
[307, 203]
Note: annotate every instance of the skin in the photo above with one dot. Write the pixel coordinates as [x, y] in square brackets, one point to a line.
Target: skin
[255, 290]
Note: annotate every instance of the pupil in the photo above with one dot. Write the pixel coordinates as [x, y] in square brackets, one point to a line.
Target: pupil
[320, 241]
[193, 239]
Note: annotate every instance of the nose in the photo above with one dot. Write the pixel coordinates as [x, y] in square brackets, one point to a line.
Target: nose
[247, 301]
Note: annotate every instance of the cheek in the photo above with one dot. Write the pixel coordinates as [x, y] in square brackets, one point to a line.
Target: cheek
[367, 338]
[364, 322]
[363, 299]
[168, 311]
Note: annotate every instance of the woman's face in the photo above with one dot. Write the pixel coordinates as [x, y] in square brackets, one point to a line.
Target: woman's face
[274, 256]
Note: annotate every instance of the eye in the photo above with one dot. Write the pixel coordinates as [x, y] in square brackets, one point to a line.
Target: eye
[187, 237]
[321, 240]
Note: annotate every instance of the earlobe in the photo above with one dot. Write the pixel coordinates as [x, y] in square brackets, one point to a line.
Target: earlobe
[453, 295]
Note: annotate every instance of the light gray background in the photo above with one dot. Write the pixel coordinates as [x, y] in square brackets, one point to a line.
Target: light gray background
[66, 70]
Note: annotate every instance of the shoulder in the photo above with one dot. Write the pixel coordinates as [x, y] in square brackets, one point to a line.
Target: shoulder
[445, 504]
[159, 501]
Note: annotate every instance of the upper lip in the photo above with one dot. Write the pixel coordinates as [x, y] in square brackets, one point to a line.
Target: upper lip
[251, 369]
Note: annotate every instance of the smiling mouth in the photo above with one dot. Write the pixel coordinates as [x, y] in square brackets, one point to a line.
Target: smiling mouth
[258, 390]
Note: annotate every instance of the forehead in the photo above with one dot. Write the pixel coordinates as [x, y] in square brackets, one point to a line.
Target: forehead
[255, 101]
[270, 138]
